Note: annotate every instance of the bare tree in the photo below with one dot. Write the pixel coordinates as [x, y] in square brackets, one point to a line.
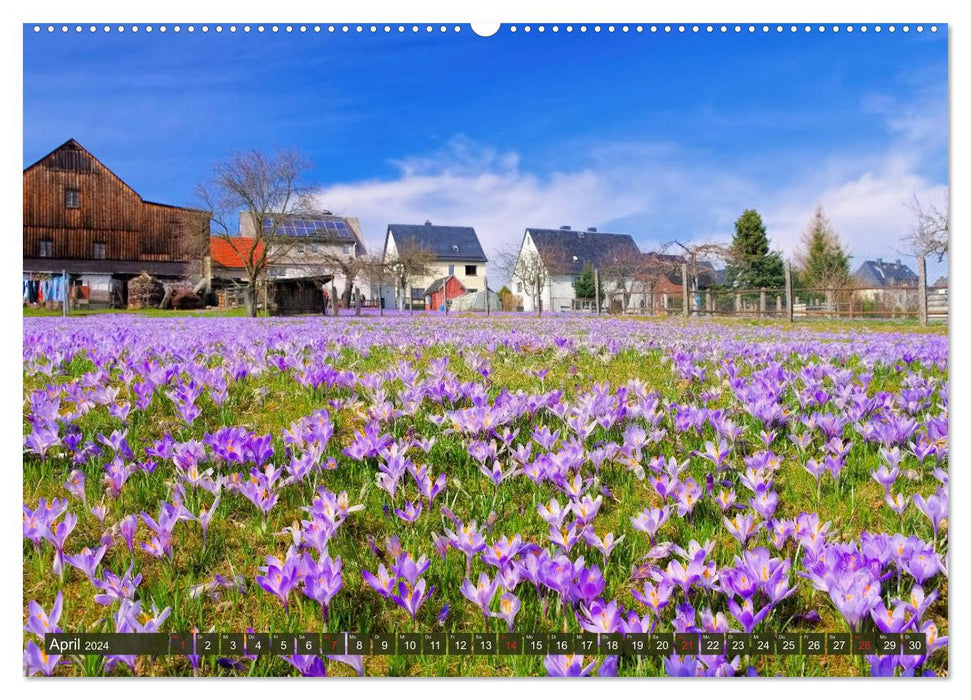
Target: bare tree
[931, 231]
[533, 268]
[379, 274]
[624, 276]
[410, 260]
[266, 190]
[348, 267]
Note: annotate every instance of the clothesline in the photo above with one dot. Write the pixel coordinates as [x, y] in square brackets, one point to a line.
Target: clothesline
[39, 287]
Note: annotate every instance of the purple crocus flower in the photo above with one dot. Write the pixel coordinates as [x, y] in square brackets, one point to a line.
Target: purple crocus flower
[569, 665]
[410, 513]
[650, 520]
[280, 577]
[116, 588]
[309, 666]
[322, 581]
[205, 516]
[482, 593]
[897, 503]
[36, 660]
[508, 609]
[86, 560]
[56, 534]
[411, 597]
[934, 507]
[742, 527]
[654, 596]
[39, 622]
[75, 486]
[600, 617]
[605, 545]
[382, 583]
[745, 614]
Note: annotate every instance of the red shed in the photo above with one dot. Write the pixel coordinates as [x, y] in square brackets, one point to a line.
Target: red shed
[443, 289]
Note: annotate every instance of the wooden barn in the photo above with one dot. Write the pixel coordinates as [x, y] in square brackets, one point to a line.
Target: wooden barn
[81, 217]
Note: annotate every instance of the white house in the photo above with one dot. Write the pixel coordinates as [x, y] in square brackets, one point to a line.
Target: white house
[551, 260]
[454, 251]
[314, 245]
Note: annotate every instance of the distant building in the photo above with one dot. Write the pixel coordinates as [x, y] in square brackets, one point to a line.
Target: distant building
[81, 217]
[553, 259]
[309, 245]
[455, 251]
[887, 284]
[443, 290]
[880, 274]
[231, 255]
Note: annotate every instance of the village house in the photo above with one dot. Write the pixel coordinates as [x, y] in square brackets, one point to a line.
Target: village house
[310, 246]
[886, 284]
[453, 261]
[551, 260]
[81, 218]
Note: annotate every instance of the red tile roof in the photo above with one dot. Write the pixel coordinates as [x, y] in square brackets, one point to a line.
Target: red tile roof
[231, 254]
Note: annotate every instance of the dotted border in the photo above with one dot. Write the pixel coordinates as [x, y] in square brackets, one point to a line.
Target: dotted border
[508, 28]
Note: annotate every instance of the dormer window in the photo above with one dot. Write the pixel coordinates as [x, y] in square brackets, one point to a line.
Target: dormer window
[455, 248]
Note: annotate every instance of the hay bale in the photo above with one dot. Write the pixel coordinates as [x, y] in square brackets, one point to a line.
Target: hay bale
[145, 292]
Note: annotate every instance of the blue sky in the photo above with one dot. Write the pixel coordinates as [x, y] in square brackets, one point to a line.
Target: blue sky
[658, 135]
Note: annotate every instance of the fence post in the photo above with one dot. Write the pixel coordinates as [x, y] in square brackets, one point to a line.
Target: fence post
[684, 289]
[664, 302]
[485, 280]
[738, 302]
[778, 304]
[761, 302]
[596, 288]
[709, 306]
[922, 288]
[789, 313]
[66, 288]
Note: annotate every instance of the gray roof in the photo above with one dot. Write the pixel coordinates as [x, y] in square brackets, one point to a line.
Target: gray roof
[567, 251]
[878, 273]
[449, 243]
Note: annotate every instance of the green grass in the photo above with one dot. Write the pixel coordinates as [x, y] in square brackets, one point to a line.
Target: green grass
[148, 313]
[238, 542]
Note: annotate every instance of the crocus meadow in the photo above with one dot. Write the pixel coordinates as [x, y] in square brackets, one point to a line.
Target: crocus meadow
[456, 474]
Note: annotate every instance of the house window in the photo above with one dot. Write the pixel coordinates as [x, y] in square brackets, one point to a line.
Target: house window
[98, 251]
[451, 269]
[470, 271]
[45, 249]
[346, 249]
[314, 248]
[417, 293]
[72, 199]
[471, 291]
[300, 249]
[519, 287]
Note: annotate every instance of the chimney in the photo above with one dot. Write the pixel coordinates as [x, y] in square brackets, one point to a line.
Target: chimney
[898, 262]
[428, 222]
[879, 261]
[564, 228]
[592, 229]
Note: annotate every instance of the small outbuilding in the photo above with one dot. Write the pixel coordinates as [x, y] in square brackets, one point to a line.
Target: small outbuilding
[293, 296]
